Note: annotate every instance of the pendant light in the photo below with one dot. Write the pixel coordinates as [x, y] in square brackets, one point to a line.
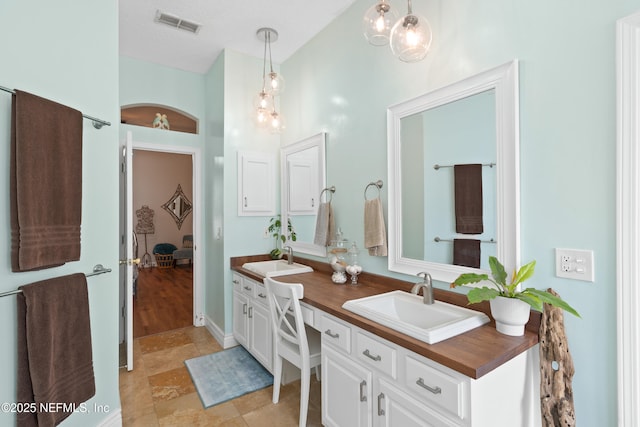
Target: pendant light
[411, 37]
[266, 115]
[377, 23]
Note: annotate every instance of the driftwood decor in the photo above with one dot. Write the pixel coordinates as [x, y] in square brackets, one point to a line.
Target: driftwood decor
[556, 370]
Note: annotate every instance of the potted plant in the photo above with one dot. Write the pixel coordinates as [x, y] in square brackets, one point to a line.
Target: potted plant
[510, 307]
[275, 226]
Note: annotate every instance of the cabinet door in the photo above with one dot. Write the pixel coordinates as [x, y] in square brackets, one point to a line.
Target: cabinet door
[394, 408]
[303, 187]
[256, 184]
[240, 311]
[346, 391]
[261, 339]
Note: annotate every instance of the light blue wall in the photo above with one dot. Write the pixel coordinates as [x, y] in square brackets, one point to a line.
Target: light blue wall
[68, 52]
[339, 84]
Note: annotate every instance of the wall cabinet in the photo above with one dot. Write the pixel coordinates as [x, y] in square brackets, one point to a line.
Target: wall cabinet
[256, 184]
[251, 321]
[369, 381]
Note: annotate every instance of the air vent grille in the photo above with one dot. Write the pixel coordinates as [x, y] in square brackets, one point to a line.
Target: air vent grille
[176, 22]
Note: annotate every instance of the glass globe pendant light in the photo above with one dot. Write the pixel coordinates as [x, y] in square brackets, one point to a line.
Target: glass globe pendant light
[377, 23]
[411, 37]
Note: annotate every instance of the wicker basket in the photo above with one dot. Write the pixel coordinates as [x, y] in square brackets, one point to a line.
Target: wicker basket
[164, 261]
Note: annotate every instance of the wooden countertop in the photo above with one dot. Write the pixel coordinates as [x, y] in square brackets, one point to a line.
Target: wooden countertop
[474, 353]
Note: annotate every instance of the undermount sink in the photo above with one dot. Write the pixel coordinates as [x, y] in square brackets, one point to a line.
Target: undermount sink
[407, 313]
[273, 268]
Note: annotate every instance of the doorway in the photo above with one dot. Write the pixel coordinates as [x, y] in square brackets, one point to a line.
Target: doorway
[163, 299]
[195, 270]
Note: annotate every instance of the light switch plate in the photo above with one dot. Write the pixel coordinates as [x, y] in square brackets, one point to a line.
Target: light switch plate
[575, 264]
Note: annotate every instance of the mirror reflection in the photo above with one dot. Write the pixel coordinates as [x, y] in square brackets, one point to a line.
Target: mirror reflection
[303, 179]
[432, 143]
[454, 177]
[178, 206]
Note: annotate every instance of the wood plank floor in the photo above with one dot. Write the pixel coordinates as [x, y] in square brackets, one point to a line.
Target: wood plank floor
[163, 301]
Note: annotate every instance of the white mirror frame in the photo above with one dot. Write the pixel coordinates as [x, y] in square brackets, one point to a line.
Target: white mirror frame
[504, 79]
[318, 140]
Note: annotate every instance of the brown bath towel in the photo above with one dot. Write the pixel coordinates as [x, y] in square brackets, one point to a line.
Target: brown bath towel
[45, 182]
[466, 252]
[468, 198]
[55, 363]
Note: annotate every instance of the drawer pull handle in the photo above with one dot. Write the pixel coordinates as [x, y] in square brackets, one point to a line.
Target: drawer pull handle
[380, 410]
[421, 383]
[236, 281]
[363, 396]
[376, 358]
[250, 312]
[332, 335]
[247, 288]
[261, 295]
[244, 308]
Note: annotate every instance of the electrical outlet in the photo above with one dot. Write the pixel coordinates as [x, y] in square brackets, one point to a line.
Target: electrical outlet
[575, 264]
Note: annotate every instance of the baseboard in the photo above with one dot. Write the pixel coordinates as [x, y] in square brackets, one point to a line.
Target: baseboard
[113, 420]
[226, 341]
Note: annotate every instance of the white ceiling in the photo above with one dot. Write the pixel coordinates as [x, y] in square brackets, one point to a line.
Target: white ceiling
[225, 24]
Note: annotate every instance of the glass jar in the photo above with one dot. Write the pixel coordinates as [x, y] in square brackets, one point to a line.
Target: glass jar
[337, 258]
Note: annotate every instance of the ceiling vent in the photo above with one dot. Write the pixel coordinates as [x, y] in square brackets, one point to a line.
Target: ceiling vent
[176, 22]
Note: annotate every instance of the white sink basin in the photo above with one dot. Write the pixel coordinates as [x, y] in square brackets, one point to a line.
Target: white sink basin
[274, 268]
[406, 313]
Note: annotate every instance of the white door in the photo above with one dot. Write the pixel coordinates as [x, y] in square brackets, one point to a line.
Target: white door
[126, 259]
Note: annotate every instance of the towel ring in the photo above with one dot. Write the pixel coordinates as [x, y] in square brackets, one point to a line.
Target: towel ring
[377, 184]
[331, 190]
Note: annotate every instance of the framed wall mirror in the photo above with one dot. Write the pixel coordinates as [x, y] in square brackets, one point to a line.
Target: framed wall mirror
[303, 177]
[178, 206]
[472, 121]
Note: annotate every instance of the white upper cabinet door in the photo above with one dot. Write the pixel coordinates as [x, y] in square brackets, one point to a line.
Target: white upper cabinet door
[303, 187]
[256, 184]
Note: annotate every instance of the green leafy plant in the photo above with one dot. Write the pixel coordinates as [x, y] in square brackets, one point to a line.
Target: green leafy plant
[275, 229]
[534, 297]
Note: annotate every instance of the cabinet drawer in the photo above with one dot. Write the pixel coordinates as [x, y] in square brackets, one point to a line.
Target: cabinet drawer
[377, 354]
[336, 334]
[307, 315]
[261, 294]
[237, 282]
[247, 287]
[435, 386]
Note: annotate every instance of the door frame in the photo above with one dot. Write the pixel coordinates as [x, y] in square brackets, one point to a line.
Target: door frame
[628, 217]
[198, 229]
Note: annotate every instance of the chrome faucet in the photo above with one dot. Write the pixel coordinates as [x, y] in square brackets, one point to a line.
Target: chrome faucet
[289, 254]
[426, 286]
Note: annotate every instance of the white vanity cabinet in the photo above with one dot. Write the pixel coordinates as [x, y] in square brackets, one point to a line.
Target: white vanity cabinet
[251, 321]
[369, 381]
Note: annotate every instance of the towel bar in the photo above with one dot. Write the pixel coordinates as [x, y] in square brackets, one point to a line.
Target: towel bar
[97, 269]
[436, 166]
[97, 123]
[438, 239]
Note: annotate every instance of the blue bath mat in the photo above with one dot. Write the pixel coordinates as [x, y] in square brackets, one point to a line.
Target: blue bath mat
[227, 374]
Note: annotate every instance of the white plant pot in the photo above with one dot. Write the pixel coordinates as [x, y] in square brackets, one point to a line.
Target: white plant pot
[510, 314]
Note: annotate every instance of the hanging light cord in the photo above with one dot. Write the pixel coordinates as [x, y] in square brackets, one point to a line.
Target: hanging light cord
[270, 61]
[264, 62]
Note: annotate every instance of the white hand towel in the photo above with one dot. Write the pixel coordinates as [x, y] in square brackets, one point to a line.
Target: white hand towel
[324, 225]
[375, 234]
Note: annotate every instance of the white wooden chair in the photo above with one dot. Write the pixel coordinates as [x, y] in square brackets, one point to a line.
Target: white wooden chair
[293, 340]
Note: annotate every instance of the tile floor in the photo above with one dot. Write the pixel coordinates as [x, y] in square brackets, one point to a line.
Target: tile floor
[159, 391]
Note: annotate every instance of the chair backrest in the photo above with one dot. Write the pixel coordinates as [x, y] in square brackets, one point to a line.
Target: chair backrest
[286, 315]
[187, 241]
